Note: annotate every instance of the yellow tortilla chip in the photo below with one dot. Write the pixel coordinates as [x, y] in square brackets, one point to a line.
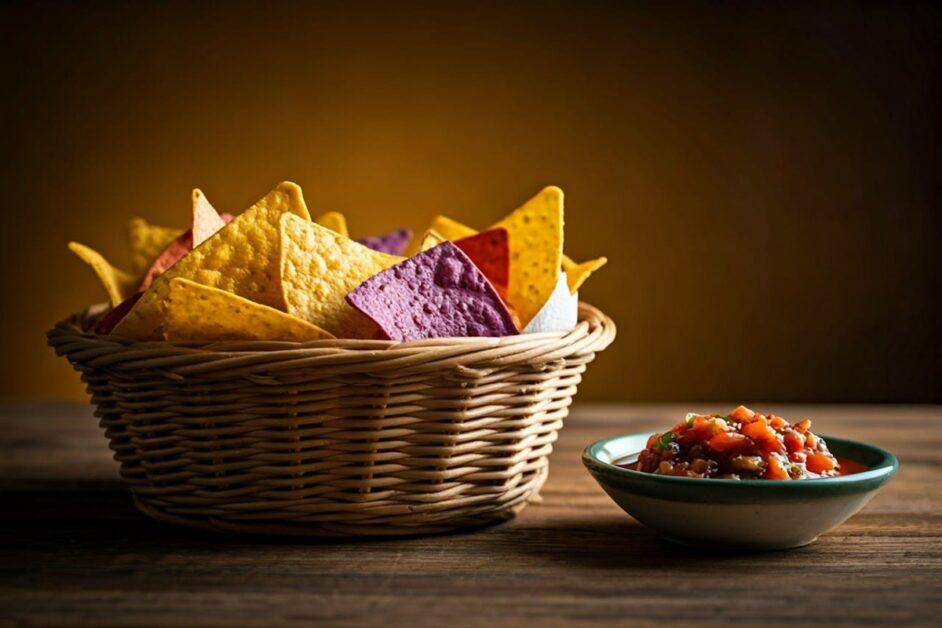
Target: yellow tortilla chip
[335, 221]
[118, 284]
[198, 312]
[535, 231]
[445, 228]
[431, 239]
[147, 241]
[318, 268]
[576, 273]
[206, 220]
[243, 258]
[450, 229]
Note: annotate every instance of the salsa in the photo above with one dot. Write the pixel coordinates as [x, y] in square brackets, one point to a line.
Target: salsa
[741, 445]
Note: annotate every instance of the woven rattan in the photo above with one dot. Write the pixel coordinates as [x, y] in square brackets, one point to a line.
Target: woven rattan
[333, 437]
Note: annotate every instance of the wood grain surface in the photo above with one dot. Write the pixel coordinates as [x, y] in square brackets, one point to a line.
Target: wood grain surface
[73, 550]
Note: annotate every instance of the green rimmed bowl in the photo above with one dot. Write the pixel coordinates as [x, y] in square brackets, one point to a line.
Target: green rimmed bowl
[751, 514]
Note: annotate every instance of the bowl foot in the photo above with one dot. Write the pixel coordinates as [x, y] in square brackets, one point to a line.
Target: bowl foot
[719, 545]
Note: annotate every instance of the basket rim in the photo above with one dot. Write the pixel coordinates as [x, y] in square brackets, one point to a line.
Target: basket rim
[71, 337]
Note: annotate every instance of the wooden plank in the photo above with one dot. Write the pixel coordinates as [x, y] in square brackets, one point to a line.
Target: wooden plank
[74, 550]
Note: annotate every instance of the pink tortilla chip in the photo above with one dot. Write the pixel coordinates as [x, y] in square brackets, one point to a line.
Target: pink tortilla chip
[170, 256]
[392, 243]
[206, 220]
[438, 293]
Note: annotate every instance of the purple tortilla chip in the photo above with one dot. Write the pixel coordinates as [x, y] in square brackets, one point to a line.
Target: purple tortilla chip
[393, 243]
[439, 293]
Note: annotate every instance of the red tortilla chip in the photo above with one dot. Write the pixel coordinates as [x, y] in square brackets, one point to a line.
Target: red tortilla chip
[112, 318]
[490, 252]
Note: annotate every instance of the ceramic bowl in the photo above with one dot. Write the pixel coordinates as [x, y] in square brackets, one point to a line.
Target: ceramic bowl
[753, 514]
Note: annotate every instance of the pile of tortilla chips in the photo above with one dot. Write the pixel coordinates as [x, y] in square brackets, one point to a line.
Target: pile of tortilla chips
[273, 273]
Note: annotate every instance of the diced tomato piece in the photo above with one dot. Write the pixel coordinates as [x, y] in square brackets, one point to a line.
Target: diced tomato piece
[701, 423]
[651, 440]
[763, 435]
[794, 441]
[726, 441]
[819, 463]
[775, 470]
[758, 430]
[706, 427]
[777, 422]
[803, 426]
[742, 414]
[811, 440]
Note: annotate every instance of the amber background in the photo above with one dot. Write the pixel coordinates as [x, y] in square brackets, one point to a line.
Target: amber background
[762, 176]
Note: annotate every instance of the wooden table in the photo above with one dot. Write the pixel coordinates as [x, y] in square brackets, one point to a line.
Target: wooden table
[75, 551]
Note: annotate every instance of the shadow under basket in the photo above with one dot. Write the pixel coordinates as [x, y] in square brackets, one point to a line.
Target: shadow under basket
[333, 437]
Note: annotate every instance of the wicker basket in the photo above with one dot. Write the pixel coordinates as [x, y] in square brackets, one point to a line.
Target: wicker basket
[338, 437]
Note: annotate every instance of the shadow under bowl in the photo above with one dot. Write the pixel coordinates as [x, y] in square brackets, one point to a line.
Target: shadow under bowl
[750, 514]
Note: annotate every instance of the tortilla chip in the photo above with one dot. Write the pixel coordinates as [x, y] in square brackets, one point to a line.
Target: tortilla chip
[318, 268]
[335, 221]
[170, 256]
[107, 322]
[118, 284]
[198, 312]
[576, 273]
[450, 229]
[439, 293]
[147, 242]
[430, 240]
[206, 220]
[243, 258]
[393, 243]
[535, 230]
[490, 252]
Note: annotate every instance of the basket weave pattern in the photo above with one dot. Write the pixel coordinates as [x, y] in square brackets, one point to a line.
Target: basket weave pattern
[333, 437]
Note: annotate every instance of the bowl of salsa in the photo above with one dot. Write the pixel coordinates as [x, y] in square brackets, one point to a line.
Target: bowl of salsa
[742, 479]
